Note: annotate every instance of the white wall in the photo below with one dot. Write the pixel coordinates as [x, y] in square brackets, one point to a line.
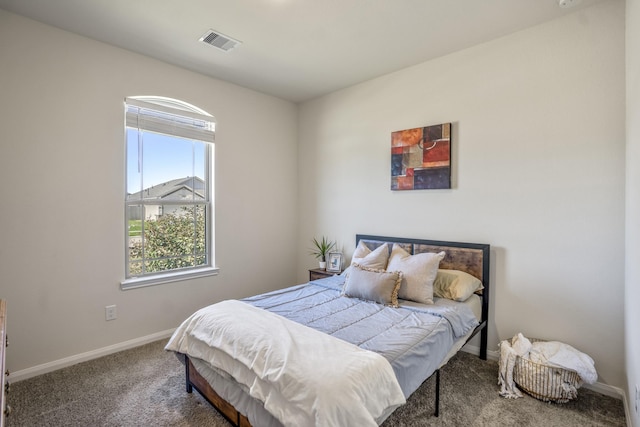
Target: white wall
[632, 254]
[538, 173]
[62, 173]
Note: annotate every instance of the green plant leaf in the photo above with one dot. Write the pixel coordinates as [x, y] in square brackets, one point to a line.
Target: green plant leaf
[322, 248]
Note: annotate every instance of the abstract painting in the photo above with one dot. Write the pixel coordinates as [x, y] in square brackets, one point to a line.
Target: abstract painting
[421, 158]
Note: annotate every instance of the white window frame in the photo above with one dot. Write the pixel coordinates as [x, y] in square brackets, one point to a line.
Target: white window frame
[198, 125]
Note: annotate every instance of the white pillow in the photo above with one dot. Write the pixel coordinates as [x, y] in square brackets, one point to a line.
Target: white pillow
[418, 271]
[373, 259]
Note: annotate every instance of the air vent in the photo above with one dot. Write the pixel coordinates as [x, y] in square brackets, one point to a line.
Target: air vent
[219, 40]
[565, 4]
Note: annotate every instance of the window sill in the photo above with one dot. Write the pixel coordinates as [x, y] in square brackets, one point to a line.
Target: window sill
[159, 279]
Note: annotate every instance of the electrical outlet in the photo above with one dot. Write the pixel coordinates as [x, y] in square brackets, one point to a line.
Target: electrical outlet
[110, 312]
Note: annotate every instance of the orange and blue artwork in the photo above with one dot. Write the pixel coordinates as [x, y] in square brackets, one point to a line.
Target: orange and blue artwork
[421, 158]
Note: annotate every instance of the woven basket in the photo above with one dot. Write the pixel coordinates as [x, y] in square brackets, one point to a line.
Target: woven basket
[546, 383]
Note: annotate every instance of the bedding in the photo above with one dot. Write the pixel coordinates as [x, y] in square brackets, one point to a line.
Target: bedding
[302, 376]
[229, 390]
[415, 339]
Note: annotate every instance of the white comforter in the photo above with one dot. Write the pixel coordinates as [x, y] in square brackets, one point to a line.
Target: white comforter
[302, 376]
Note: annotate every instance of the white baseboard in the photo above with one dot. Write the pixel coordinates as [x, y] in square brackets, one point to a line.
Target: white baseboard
[83, 357]
[607, 390]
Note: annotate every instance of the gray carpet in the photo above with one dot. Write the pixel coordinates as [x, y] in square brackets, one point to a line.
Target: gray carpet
[145, 387]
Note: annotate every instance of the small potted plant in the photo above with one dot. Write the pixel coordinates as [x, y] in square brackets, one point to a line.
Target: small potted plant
[321, 250]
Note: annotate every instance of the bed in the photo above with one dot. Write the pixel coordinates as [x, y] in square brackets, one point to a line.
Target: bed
[332, 326]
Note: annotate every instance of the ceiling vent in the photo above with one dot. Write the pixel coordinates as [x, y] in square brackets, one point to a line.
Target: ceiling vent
[219, 40]
[565, 4]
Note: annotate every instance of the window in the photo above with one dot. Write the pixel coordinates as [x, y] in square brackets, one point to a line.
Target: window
[168, 203]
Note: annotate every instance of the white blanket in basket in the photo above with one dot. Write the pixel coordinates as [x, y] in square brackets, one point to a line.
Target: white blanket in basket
[549, 353]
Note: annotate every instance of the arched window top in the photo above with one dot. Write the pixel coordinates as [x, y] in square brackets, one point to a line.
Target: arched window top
[169, 116]
[171, 103]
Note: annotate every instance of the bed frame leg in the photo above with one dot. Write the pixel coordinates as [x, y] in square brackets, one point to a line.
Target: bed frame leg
[186, 371]
[437, 413]
[484, 333]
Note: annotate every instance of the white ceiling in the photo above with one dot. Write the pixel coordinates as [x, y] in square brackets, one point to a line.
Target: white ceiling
[294, 49]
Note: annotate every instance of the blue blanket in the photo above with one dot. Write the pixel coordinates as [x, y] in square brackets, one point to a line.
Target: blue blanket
[414, 338]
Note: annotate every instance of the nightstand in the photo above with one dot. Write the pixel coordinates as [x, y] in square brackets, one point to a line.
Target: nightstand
[320, 273]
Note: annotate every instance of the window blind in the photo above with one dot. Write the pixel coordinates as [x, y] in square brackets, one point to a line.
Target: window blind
[158, 118]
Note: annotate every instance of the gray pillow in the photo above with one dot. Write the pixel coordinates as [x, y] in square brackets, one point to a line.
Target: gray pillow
[371, 284]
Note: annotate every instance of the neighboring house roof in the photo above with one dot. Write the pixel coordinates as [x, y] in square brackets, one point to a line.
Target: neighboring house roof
[175, 189]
